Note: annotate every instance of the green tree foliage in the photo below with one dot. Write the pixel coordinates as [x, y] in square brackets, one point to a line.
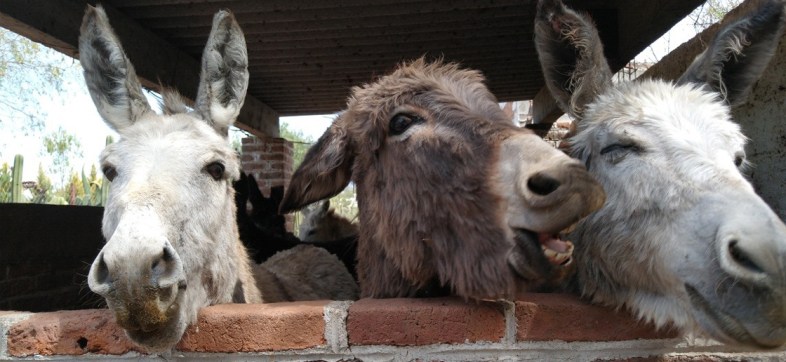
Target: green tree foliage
[26, 74]
[43, 193]
[63, 147]
[300, 143]
[73, 190]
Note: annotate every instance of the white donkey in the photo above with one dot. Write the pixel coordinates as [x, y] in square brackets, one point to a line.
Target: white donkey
[682, 239]
[172, 238]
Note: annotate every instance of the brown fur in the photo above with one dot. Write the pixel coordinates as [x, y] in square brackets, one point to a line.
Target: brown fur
[430, 211]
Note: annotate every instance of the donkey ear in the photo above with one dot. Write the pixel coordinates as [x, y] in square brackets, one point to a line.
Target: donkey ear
[325, 171]
[738, 55]
[224, 79]
[571, 56]
[325, 206]
[110, 77]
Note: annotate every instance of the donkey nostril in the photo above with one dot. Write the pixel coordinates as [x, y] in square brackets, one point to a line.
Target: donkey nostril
[542, 184]
[166, 268]
[741, 257]
[167, 257]
[99, 279]
[102, 272]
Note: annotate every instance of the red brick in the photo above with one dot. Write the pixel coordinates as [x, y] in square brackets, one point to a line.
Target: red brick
[63, 333]
[404, 322]
[276, 166]
[252, 147]
[246, 157]
[257, 327]
[545, 317]
[269, 174]
[254, 165]
[276, 148]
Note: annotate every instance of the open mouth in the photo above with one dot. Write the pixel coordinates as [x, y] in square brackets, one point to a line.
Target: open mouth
[541, 256]
[555, 247]
[558, 252]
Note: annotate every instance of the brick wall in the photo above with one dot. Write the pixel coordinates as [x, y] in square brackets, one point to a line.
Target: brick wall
[45, 253]
[536, 327]
[269, 160]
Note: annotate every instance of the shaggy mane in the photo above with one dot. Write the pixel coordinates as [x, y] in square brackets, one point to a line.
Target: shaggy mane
[172, 102]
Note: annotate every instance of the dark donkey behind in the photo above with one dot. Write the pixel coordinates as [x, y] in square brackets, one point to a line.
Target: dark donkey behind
[450, 193]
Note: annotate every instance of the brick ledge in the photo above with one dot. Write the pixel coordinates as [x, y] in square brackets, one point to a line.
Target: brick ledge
[536, 326]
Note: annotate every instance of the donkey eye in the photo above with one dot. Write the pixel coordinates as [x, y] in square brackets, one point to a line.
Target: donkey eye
[109, 172]
[401, 122]
[739, 159]
[617, 151]
[216, 170]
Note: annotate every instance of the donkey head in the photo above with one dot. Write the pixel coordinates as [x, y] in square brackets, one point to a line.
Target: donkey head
[172, 244]
[682, 239]
[320, 223]
[450, 193]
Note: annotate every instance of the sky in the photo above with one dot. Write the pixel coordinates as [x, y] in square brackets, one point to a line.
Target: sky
[72, 109]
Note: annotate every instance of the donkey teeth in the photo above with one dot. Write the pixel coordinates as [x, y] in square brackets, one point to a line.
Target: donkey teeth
[557, 258]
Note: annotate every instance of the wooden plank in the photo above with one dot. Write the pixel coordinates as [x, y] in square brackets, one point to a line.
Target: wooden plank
[318, 9]
[193, 35]
[56, 23]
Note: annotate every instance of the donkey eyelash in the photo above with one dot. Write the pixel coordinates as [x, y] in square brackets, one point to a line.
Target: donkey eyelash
[619, 147]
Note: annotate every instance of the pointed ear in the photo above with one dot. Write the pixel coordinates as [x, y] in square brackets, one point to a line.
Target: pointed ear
[224, 78]
[325, 171]
[738, 55]
[571, 56]
[325, 206]
[109, 75]
[255, 196]
[276, 195]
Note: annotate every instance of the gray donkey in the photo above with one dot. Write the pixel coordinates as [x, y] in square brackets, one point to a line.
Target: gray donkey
[683, 239]
[321, 223]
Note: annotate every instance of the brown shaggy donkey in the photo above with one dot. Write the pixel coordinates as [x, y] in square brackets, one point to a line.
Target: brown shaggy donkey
[453, 198]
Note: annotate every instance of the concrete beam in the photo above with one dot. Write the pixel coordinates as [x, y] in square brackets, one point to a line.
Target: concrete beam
[55, 23]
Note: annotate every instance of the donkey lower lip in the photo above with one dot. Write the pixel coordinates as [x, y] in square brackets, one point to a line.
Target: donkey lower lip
[730, 327]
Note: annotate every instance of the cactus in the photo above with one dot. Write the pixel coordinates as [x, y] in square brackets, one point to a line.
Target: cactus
[95, 192]
[16, 183]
